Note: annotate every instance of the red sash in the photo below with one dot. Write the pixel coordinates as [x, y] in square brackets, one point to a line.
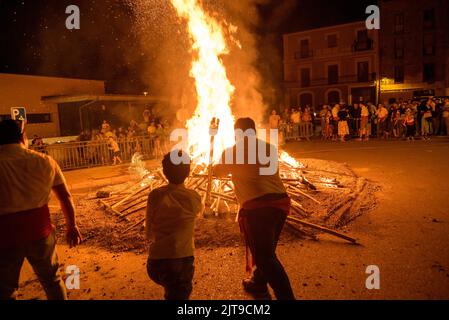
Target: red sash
[24, 227]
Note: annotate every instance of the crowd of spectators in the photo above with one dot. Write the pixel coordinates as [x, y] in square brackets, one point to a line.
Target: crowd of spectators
[400, 119]
[151, 127]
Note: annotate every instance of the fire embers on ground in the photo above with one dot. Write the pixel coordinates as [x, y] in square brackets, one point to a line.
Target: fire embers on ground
[325, 193]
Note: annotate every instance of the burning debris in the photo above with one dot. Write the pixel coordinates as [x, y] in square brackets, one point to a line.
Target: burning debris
[319, 203]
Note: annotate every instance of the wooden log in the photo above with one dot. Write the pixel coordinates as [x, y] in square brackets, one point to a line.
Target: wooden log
[323, 229]
[134, 225]
[130, 196]
[305, 194]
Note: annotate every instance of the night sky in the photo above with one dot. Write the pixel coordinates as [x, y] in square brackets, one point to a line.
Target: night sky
[34, 40]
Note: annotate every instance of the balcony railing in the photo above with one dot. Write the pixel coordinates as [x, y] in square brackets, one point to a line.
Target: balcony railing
[303, 54]
[348, 79]
[363, 45]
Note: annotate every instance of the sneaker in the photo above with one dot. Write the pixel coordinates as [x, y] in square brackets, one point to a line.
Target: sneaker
[257, 291]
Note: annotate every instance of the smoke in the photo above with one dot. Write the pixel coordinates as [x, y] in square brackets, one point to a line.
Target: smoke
[254, 63]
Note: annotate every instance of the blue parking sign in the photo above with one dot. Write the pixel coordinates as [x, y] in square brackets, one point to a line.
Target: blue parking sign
[18, 114]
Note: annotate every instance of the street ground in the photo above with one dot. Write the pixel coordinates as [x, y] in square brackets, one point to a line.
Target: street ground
[406, 236]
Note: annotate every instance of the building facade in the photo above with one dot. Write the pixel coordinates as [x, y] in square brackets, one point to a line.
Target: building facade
[414, 48]
[331, 64]
[28, 91]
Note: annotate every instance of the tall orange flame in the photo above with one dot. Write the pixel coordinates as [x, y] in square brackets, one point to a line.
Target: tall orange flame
[213, 88]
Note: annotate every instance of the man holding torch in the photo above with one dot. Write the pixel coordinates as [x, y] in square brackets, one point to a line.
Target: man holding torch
[264, 207]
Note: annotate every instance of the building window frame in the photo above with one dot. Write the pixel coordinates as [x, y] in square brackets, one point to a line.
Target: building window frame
[399, 74]
[399, 22]
[399, 50]
[337, 38]
[337, 78]
[326, 95]
[307, 83]
[428, 72]
[428, 19]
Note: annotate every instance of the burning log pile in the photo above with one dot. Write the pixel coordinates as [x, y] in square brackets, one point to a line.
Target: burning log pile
[322, 201]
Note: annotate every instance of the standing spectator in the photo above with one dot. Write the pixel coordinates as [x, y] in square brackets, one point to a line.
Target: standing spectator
[446, 115]
[395, 123]
[295, 119]
[409, 123]
[335, 119]
[426, 120]
[364, 117]
[325, 116]
[355, 119]
[105, 127]
[343, 128]
[382, 117]
[147, 116]
[372, 123]
[307, 121]
[26, 232]
[274, 120]
[115, 150]
[159, 136]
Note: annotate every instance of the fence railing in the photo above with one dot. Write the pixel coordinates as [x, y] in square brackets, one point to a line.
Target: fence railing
[298, 130]
[84, 154]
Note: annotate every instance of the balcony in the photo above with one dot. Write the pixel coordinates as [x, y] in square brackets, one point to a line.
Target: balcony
[363, 45]
[368, 79]
[303, 54]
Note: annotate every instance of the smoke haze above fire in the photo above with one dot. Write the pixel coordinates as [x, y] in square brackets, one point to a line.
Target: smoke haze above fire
[164, 38]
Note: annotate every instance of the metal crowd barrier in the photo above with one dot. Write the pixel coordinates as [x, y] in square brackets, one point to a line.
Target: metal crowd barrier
[85, 154]
[300, 130]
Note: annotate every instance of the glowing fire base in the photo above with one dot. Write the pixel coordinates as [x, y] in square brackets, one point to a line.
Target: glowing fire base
[299, 183]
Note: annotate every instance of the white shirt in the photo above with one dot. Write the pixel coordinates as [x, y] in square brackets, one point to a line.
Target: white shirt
[26, 178]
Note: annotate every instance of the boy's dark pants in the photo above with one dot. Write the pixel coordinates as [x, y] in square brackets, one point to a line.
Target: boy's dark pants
[42, 256]
[262, 228]
[175, 275]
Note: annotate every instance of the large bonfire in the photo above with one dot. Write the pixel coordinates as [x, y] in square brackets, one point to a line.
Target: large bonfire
[213, 88]
[332, 200]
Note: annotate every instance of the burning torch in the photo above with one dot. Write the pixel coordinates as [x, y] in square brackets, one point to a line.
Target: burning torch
[213, 130]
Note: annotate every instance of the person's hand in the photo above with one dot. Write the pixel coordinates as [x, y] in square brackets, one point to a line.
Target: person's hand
[73, 236]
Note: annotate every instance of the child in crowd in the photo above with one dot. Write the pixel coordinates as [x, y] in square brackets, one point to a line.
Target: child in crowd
[409, 123]
[115, 149]
[170, 217]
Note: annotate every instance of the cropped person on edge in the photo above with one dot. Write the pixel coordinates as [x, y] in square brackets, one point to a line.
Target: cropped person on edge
[170, 217]
[26, 231]
[264, 208]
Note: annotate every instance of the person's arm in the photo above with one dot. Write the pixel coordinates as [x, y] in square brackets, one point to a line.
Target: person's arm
[65, 200]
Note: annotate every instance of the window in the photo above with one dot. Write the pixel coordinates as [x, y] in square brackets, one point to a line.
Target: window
[332, 41]
[38, 118]
[398, 48]
[429, 72]
[305, 77]
[332, 74]
[363, 71]
[429, 19]
[305, 99]
[429, 45]
[399, 23]
[333, 97]
[363, 42]
[304, 48]
[399, 74]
